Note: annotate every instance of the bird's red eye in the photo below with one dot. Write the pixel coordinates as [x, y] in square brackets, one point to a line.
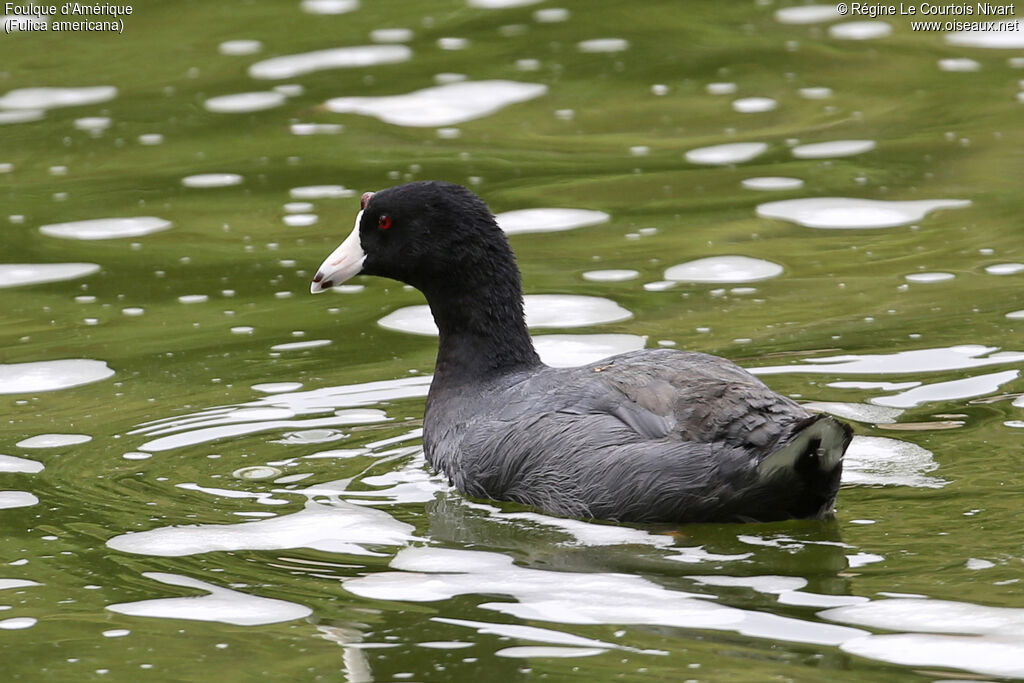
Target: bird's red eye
[384, 222]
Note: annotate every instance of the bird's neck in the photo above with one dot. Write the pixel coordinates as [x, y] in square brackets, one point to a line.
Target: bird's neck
[482, 329]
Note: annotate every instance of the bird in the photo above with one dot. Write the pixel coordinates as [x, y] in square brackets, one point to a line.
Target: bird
[647, 436]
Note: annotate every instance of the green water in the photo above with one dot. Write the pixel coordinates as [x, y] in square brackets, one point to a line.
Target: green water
[945, 534]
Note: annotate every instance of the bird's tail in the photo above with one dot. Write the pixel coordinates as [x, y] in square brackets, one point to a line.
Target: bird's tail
[813, 459]
[819, 444]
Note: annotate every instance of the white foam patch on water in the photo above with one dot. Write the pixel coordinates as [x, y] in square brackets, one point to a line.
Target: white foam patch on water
[721, 155]
[961, 64]
[762, 584]
[6, 584]
[927, 278]
[277, 387]
[534, 633]
[996, 38]
[501, 4]
[571, 350]
[590, 534]
[279, 411]
[860, 30]
[535, 651]
[445, 644]
[611, 275]
[54, 440]
[10, 463]
[426, 575]
[240, 47]
[244, 102]
[442, 105]
[242, 421]
[542, 310]
[989, 655]
[292, 66]
[212, 180]
[720, 88]
[391, 35]
[807, 14]
[981, 385]
[316, 128]
[106, 228]
[18, 274]
[548, 220]
[816, 93]
[21, 116]
[299, 220]
[603, 45]
[551, 15]
[880, 461]
[260, 497]
[321, 192]
[447, 77]
[986, 640]
[452, 43]
[1005, 269]
[339, 527]
[221, 605]
[787, 588]
[290, 89]
[772, 183]
[884, 386]
[93, 124]
[724, 269]
[1016, 315]
[51, 375]
[16, 499]
[901, 362]
[17, 623]
[329, 6]
[849, 213]
[298, 346]
[834, 149]
[859, 412]
[754, 105]
[51, 98]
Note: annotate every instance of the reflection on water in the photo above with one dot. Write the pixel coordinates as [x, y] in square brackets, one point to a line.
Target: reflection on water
[220, 604]
[18, 274]
[336, 528]
[51, 375]
[843, 212]
[292, 66]
[732, 153]
[442, 105]
[836, 148]
[542, 310]
[106, 228]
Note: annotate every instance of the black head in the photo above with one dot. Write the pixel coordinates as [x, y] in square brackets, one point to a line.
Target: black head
[427, 234]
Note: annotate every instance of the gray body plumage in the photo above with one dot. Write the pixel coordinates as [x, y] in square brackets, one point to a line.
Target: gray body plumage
[653, 435]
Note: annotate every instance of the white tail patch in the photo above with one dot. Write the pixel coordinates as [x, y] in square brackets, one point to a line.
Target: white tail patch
[832, 439]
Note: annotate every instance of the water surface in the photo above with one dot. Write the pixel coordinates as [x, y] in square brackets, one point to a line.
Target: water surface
[205, 472]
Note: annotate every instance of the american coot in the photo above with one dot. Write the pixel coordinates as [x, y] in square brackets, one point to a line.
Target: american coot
[657, 435]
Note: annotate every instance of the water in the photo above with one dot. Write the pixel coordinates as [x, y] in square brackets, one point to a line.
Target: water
[206, 472]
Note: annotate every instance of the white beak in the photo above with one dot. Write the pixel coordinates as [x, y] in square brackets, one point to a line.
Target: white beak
[344, 262]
